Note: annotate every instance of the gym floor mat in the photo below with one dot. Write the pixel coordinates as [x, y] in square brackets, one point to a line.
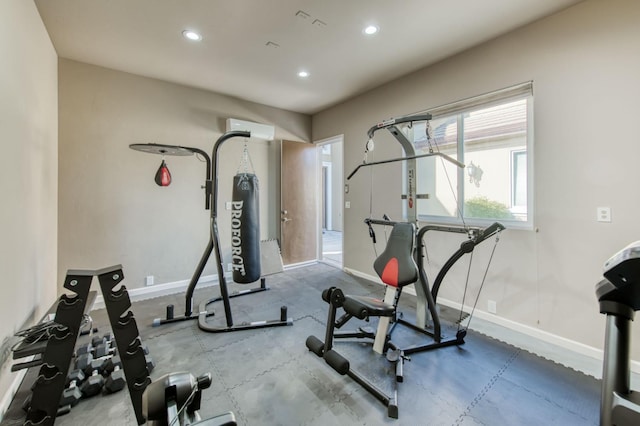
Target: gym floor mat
[268, 377]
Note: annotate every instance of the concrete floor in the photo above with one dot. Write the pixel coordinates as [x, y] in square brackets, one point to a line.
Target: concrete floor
[268, 377]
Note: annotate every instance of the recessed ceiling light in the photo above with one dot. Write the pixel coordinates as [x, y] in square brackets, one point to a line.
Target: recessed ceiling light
[303, 74]
[371, 29]
[191, 35]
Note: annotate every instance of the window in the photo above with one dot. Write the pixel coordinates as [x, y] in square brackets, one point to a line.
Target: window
[491, 135]
[519, 180]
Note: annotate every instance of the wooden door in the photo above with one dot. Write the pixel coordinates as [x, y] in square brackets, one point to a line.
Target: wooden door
[299, 203]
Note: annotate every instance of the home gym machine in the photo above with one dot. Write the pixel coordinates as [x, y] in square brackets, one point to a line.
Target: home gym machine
[211, 201]
[400, 264]
[425, 298]
[619, 298]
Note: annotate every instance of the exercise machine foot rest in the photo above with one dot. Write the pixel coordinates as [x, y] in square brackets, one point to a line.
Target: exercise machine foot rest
[400, 369]
[392, 411]
[341, 365]
[315, 345]
[337, 361]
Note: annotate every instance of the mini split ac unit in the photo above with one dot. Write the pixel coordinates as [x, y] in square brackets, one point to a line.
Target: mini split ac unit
[258, 130]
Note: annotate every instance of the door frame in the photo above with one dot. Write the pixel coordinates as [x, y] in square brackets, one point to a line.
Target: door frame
[319, 144]
[327, 199]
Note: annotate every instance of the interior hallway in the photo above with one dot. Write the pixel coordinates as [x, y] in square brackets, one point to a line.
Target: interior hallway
[332, 247]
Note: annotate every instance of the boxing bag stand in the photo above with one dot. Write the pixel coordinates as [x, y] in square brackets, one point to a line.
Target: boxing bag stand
[213, 246]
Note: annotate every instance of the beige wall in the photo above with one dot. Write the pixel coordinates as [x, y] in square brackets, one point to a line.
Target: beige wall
[29, 164]
[585, 70]
[110, 209]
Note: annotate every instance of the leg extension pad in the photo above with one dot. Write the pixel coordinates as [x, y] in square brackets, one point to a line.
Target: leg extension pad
[337, 361]
[315, 345]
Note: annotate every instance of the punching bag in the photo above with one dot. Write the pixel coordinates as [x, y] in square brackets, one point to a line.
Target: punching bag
[163, 176]
[245, 229]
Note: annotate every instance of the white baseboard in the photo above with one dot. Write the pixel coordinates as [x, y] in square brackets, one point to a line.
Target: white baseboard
[300, 265]
[158, 290]
[571, 354]
[365, 276]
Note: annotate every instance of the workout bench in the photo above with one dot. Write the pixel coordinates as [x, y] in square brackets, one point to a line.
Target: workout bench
[396, 268]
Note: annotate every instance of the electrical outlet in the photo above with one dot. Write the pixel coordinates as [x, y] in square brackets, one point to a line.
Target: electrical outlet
[492, 306]
[347, 204]
[603, 214]
[227, 205]
[149, 280]
[229, 267]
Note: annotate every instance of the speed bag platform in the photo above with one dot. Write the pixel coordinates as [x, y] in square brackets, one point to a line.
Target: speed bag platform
[245, 229]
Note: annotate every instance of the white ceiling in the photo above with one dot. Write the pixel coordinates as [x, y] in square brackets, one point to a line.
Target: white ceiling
[144, 37]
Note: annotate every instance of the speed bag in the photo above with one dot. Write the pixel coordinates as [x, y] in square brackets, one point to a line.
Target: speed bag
[163, 175]
[245, 229]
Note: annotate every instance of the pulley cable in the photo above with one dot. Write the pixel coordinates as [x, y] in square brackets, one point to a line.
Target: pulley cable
[464, 293]
[372, 233]
[484, 277]
[431, 141]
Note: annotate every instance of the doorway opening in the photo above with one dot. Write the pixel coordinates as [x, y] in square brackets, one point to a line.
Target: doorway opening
[330, 154]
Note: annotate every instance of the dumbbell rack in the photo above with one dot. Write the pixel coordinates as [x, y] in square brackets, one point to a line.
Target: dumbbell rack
[58, 353]
[126, 335]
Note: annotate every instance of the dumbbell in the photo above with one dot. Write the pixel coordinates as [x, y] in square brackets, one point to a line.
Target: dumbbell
[92, 385]
[99, 340]
[76, 375]
[88, 331]
[96, 342]
[110, 365]
[84, 349]
[71, 395]
[87, 363]
[104, 348]
[150, 363]
[97, 364]
[83, 362]
[115, 381]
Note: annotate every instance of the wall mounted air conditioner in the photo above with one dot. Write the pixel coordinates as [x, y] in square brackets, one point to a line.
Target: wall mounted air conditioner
[258, 130]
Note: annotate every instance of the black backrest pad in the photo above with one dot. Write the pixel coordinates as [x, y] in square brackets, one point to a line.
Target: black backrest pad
[395, 265]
